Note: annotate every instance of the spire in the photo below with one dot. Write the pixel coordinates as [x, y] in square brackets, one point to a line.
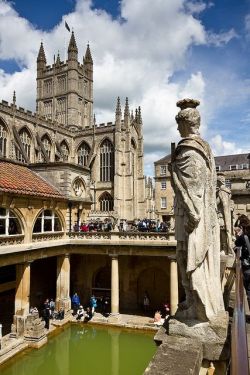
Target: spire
[118, 110]
[118, 115]
[88, 57]
[41, 58]
[126, 110]
[132, 115]
[14, 98]
[72, 48]
[139, 116]
[136, 115]
[58, 61]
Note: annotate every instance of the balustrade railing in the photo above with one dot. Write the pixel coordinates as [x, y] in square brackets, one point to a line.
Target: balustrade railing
[48, 236]
[15, 239]
[133, 236]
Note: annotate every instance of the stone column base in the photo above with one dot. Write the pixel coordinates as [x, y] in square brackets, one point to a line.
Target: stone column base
[31, 328]
[64, 303]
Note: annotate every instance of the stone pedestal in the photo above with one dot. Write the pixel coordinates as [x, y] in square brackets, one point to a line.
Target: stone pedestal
[31, 328]
[213, 335]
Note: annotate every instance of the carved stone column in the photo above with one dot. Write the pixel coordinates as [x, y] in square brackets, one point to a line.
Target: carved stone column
[63, 282]
[174, 295]
[22, 297]
[114, 285]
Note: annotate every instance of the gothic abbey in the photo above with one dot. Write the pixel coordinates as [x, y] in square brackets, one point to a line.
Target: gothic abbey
[98, 168]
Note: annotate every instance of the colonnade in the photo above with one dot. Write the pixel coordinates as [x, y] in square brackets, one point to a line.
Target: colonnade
[22, 297]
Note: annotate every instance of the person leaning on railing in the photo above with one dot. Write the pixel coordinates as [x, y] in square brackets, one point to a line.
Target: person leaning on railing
[242, 232]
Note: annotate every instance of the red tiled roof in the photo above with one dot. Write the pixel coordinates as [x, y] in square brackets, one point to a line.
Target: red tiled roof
[19, 179]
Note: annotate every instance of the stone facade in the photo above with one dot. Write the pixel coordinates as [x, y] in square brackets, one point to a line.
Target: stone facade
[62, 142]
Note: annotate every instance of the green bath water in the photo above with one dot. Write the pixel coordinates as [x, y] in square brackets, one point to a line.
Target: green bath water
[87, 350]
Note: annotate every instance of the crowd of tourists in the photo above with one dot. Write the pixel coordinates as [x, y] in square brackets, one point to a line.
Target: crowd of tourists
[86, 314]
[140, 225]
[48, 311]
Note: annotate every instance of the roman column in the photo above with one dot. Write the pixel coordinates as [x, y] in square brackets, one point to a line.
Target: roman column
[174, 295]
[114, 285]
[63, 282]
[22, 297]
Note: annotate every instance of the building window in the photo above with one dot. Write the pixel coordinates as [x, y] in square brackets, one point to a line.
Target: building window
[163, 170]
[47, 109]
[61, 111]
[47, 145]
[244, 166]
[9, 223]
[83, 154]
[47, 88]
[26, 141]
[47, 221]
[106, 161]
[218, 168]
[106, 202]
[61, 83]
[163, 185]
[233, 167]
[64, 151]
[163, 202]
[3, 140]
[228, 183]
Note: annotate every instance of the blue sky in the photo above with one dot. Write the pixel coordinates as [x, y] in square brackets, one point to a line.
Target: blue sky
[153, 52]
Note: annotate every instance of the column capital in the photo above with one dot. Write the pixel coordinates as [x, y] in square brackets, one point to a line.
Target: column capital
[114, 256]
[172, 258]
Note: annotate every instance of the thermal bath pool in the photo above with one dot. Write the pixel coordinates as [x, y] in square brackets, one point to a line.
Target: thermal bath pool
[85, 349]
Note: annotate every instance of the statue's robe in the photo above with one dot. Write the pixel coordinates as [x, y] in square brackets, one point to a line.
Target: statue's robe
[194, 182]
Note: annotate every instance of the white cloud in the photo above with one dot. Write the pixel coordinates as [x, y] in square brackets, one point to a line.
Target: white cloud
[222, 38]
[221, 147]
[135, 56]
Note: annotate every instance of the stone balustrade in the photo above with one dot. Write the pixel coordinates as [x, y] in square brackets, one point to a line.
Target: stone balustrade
[11, 240]
[48, 236]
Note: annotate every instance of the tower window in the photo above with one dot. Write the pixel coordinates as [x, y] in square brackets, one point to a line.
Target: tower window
[47, 87]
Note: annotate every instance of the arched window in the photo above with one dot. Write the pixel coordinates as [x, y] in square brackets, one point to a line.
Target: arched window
[3, 140]
[106, 202]
[47, 145]
[47, 221]
[9, 223]
[106, 161]
[83, 154]
[65, 151]
[26, 141]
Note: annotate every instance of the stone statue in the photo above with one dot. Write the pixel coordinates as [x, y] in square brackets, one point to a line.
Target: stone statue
[196, 224]
[224, 210]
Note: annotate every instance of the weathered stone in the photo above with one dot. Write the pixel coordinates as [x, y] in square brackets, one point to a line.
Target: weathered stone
[177, 355]
[196, 223]
[213, 335]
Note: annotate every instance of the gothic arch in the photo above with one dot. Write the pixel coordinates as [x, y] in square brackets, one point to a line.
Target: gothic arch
[83, 151]
[106, 152]
[28, 147]
[65, 143]
[79, 187]
[106, 138]
[106, 202]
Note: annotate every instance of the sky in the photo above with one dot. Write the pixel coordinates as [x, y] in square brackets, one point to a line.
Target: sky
[153, 52]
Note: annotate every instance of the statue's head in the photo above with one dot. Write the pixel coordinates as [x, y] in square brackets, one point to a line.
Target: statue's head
[221, 179]
[188, 119]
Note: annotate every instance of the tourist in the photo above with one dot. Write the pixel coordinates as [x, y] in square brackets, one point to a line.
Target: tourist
[52, 306]
[88, 315]
[146, 302]
[158, 320]
[243, 241]
[75, 303]
[46, 313]
[60, 314]
[93, 304]
[80, 313]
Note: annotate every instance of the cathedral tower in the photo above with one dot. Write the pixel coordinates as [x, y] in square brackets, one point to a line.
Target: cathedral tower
[65, 89]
